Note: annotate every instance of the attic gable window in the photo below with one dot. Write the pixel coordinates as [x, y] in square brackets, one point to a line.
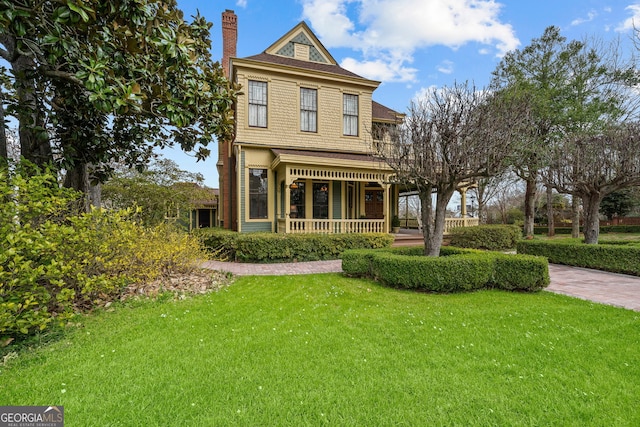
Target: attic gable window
[308, 110]
[257, 104]
[350, 114]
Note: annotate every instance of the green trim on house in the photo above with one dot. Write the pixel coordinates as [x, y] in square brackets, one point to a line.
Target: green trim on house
[337, 199]
[249, 226]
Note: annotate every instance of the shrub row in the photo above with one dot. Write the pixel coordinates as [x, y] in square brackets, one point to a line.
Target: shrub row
[454, 270]
[603, 229]
[490, 237]
[608, 257]
[272, 247]
[55, 261]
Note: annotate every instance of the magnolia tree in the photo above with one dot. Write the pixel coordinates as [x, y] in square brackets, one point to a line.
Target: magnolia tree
[451, 137]
[92, 83]
[591, 166]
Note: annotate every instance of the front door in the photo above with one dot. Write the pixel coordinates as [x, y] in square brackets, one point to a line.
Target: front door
[374, 204]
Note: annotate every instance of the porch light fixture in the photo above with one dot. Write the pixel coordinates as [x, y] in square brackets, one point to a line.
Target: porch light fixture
[293, 186]
[324, 188]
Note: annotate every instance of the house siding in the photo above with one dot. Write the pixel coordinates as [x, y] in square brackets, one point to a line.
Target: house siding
[283, 115]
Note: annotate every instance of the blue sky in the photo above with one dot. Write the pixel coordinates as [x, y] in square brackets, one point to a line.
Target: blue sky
[410, 45]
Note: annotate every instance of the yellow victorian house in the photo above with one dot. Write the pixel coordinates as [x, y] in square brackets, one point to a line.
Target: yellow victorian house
[301, 159]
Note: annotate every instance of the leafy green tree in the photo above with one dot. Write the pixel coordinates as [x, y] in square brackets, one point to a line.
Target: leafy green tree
[96, 82]
[160, 190]
[619, 203]
[567, 86]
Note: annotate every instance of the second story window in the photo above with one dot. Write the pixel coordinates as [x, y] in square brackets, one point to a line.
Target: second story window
[350, 114]
[308, 110]
[257, 104]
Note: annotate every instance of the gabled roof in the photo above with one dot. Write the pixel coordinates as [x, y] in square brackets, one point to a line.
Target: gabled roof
[380, 113]
[302, 36]
[291, 62]
[300, 48]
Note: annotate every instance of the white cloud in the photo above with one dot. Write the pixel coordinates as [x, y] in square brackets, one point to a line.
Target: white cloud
[388, 32]
[445, 67]
[633, 21]
[590, 17]
[379, 69]
[241, 3]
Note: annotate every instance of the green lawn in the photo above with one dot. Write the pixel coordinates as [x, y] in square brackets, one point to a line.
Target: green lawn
[634, 237]
[325, 349]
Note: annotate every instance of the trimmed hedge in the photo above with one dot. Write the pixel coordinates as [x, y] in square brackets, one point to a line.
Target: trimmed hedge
[490, 237]
[608, 257]
[603, 229]
[273, 247]
[453, 271]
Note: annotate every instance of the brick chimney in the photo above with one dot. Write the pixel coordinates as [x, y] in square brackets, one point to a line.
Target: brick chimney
[229, 38]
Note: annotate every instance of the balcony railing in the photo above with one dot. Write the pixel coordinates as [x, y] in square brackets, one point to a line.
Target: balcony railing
[329, 226]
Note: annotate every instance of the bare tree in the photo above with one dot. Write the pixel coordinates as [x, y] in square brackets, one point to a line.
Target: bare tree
[592, 166]
[487, 189]
[450, 138]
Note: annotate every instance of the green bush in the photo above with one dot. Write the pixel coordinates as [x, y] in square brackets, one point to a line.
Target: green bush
[274, 247]
[490, 237]
[615, 258]
[603, 229]
[520, 273]
[454, 270]
[55, 260]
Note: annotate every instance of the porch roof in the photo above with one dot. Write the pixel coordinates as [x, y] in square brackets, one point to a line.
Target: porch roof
[330, 165]
[326, 158]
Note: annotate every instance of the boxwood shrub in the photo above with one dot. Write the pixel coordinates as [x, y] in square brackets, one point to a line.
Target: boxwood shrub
[491, 237]
[273, 247]
[454, 270]
[608, 257]
[603, 229]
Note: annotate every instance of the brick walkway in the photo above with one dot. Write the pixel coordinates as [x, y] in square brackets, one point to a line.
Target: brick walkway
[607, 288]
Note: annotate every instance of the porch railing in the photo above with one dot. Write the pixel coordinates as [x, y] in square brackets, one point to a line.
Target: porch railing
[309, 226]
[450, 223]
[330, 226]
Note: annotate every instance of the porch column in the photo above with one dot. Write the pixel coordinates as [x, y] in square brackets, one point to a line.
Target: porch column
[386, 204]
[288, 180]
[463, 202]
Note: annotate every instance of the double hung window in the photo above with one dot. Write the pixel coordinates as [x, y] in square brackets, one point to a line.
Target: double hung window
[257, 104]
[350, 114]
[308, 110]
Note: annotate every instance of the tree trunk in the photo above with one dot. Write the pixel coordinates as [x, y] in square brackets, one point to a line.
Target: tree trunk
[77, 178]
[591, 228]
[575, 217]
[34, 141]
[550, 220]
[529, 205]
[434, 220]
[428, 231]
[4, 151]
